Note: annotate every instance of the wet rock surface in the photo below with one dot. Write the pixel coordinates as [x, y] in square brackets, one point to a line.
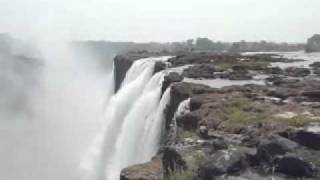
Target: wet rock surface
[238, 132]
[149, 171]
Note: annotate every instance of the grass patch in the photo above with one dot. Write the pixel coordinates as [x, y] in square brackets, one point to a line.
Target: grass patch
[236, 111]
[296, 121]
[183, 134]
[193, 160]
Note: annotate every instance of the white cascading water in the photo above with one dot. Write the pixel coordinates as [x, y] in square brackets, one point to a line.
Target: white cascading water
[183, 108]
[132, 128]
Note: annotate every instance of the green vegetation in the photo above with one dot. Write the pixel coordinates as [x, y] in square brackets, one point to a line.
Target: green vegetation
[298, 121]
[183, 134]
[235, 111]
[193, 160]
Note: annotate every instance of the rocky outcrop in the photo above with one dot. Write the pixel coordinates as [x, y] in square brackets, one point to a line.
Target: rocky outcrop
[172, 77]
[304, 137]
[272, 146]
[149, 171]
[180, 92]
[241, 132]
[223, 162]
[122, 64]
[188, 121]
[172, 161]
[297, 72]
[200, 71]
[313, 44]
[295, 166]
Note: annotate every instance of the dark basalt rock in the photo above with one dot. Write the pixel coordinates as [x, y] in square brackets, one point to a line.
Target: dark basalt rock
[172, 77]
[148, 171]
[312, 95]
[188, 121]
[282, 93]
[159, 66]
[316, 71]
[315, 65]
[200, 71]
[285, 81]
[273, 70]
[172, 161]
[304, 137]
[240, 75]
[180, 92]
[297, 72]
[202, 58]
[219, 144]
[292, 165]
[274, 145]
[222, 162]
[122, 64]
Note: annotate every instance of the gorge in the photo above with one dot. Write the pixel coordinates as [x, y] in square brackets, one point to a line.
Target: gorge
[161, 115]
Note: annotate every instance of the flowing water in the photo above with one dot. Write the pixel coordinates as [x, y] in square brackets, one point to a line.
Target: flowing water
[131, 130]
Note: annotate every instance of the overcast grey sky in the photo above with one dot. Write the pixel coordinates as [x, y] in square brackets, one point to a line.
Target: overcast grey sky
[163, 20]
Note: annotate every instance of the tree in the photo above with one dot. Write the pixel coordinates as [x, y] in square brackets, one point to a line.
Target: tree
[313, 44]
[204, 44]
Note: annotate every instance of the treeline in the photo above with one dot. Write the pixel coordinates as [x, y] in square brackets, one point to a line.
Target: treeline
[205, 44]
[199, 44]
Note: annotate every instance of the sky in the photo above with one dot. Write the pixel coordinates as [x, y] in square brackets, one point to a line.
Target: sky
[162, 20]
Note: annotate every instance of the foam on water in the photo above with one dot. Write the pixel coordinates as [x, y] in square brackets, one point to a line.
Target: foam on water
[131, 130]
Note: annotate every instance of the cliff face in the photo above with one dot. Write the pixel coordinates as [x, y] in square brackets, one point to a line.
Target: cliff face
[122, 64]
[313, 44]
[241, 131]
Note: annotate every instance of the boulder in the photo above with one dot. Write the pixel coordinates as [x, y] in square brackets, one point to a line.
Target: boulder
[292, 165]
[172, 161]
[148, 171]
[272, 146]
[219, 144]
[188, 121]
[304, 137]
[222, 162]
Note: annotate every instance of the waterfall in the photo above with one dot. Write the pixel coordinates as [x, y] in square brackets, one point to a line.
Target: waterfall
[131, 130]
[183, 108]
